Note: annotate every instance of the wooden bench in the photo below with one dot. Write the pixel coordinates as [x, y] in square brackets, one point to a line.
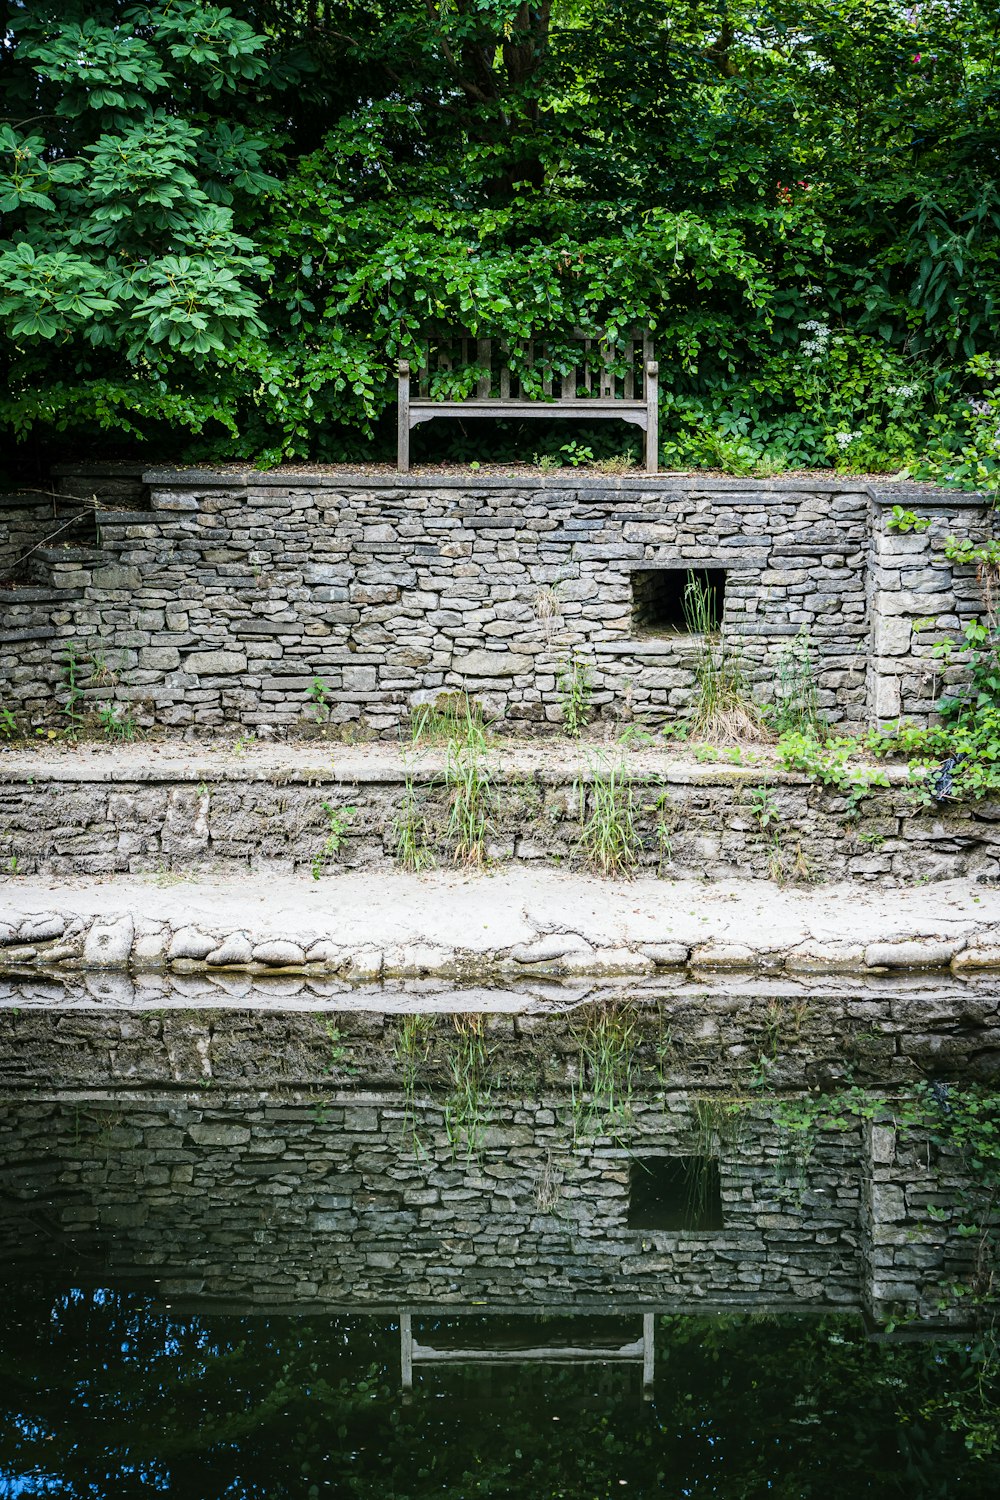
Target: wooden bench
[596, 381]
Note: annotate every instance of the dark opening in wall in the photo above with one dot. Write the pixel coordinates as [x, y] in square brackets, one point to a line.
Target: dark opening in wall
[658, 600]
[674, 1192]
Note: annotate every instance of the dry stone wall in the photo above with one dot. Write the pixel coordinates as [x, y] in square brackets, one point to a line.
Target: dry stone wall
[78, 819]
[237, 599]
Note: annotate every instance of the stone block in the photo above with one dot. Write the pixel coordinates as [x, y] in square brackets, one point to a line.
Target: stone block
[278, 953]
[176, 500]
[159, 658]
[188, 942]
[109, 943]
[480, 663]
[892, 635]
[233, 950]
[215, 663]
[216, 1133]
[887, 701]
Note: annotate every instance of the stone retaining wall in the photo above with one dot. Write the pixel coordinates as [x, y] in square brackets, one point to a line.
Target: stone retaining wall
[236, 597]
[94, 818]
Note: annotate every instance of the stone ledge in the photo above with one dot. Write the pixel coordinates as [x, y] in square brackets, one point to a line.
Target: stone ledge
[884, 493]
[366, 928]
[549, 762]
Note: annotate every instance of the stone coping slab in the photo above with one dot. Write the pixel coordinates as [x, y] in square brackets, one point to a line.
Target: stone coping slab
[551, 761]
[367, 927]
[887, 492]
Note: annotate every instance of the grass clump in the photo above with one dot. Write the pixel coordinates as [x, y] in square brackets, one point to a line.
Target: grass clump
[451, 717]
[723, 710]
[412, 832]
[469, 780]
[609, 839]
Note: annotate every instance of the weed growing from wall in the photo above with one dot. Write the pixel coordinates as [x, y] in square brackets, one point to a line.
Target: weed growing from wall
[575, 693]
[338, 824]
[609, 840]
[116, 722]
[796, 703]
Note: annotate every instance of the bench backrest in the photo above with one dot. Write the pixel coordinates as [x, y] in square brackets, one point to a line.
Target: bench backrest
[455, 366]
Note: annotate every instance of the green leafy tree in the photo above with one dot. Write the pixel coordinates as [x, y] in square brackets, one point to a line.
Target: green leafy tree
[263, 205]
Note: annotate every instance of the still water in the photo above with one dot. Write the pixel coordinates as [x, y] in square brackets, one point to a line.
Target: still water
[704, 1240]
[107, 1393]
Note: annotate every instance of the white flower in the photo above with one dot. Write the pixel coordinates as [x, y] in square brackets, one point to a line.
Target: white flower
[815, 347]
[845, 439]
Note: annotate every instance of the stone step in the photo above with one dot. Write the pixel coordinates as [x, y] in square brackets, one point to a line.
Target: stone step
[127, 518]
[147, 807]
[528, 923]
[70, 554]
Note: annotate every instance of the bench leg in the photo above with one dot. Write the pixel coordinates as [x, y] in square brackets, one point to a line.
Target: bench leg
[652, 417]
[403, 418]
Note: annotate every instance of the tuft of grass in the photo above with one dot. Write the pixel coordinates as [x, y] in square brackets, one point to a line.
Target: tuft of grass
[609, 840]
[451, 717]
[723, 710]
[411, 831]
[469, 780]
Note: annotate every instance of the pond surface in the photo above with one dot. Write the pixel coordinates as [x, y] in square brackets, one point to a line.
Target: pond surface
[712, 1240]
[107, 1393]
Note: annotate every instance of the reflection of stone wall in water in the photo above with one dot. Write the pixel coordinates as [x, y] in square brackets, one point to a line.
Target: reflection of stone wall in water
[321, 1184]
[331, 1203]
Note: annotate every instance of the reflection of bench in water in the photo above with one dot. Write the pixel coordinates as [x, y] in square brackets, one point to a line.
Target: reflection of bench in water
[640, 1351]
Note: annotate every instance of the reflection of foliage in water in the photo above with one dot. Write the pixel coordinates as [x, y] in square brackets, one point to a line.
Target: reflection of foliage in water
[412, 1049]
[117, 1397]
[466, 1062]
[961, 1125]
[466, 1111]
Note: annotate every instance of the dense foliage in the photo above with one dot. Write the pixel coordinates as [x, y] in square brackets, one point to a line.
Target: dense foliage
[223, 224]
